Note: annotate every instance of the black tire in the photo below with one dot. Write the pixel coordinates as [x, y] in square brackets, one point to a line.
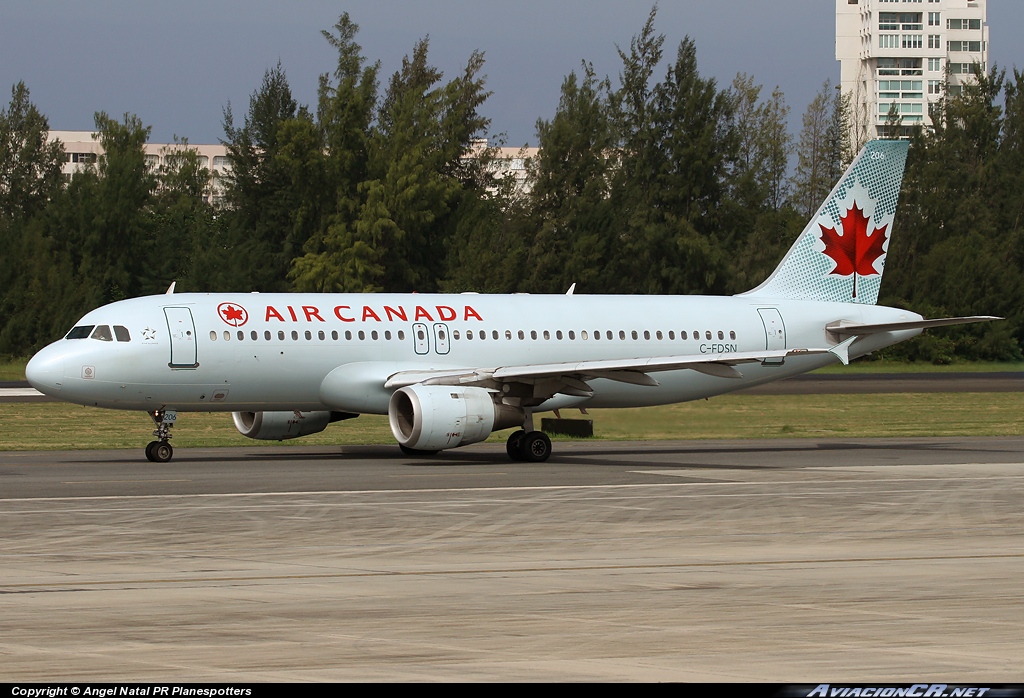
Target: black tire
[149, 451]
[514, 445]
[535, 447]
[162, 451]
[415, 452]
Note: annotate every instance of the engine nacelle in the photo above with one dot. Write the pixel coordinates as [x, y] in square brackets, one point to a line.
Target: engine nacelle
[436, 417]
[278, 426]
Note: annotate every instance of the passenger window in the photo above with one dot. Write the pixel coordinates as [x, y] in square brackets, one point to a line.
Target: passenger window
[707, 334]
[671, 334]
[469, 334]
[227, 335]
[558, 334]
[583, 334]
[387, 334]
[334, 335]
[362, 335]
[647, 334]
[266, 335]
[533, 334]
[309, 335]
[348, 335]
[572, 334]
[254, 335]
[597, 334]
[622, 334]
[213, 335]
[280, 335]
[241, 335]
[547, 335]
[634, 334]
[508, 334]
[732, 334]
[659, 335]
[321, 336]
[401, 334]
[494, 334]
[102, 333]
[295, 335]
[455, 334]
[682, 335]
[121, 333]
[721, 335]
[609, 335]
[521, 335]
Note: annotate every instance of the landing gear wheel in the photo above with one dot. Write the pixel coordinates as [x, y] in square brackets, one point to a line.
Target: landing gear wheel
[535, 447]
[159, 451]
[514, 445]
[415, 451]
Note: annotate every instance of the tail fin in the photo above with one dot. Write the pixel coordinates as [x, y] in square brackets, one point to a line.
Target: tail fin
[840, 255]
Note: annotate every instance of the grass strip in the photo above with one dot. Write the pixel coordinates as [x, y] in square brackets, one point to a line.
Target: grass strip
[59, 426]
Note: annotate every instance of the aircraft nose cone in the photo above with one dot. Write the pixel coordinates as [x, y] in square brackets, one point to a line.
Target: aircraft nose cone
[45, 371]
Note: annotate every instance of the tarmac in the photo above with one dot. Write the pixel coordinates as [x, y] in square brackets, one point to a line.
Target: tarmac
[794, 561]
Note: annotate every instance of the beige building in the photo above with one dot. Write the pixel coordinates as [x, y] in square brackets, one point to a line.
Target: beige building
[82, 148]
[902, 52]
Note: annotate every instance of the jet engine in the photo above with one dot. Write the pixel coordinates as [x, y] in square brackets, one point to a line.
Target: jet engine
[436, 417]
[278, 426]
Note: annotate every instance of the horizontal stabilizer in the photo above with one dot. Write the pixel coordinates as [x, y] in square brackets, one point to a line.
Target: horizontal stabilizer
[847, 329]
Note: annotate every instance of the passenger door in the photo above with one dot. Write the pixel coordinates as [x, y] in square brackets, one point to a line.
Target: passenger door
[182, 331]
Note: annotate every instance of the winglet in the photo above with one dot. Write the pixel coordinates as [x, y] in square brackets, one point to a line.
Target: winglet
[842, 350]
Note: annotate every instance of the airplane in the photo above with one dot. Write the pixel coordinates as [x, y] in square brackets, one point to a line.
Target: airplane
[450, 369]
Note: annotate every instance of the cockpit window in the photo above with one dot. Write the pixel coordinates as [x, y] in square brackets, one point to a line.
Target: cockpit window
[80, 332]
[102, 332]
[122, 334]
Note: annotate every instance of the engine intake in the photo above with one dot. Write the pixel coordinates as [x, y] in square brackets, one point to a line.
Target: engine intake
[436, 417]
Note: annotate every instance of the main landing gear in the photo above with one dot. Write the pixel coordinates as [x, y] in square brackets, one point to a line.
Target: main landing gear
[529, 446]
[160, 451]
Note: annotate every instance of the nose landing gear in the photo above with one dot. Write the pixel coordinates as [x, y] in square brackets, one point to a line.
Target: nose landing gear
[160, 451]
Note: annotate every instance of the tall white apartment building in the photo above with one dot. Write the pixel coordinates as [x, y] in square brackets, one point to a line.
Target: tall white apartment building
[901, 52]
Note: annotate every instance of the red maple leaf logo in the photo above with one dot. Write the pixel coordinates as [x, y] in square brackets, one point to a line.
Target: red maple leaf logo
[233, 314]
[854, 251]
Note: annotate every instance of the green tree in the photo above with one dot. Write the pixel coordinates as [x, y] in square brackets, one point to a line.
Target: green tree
[571, 208]
[822, 149]
[264, 204]
[30, 167]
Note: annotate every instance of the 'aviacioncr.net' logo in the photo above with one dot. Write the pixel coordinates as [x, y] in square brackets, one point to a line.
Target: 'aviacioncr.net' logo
[233, 314]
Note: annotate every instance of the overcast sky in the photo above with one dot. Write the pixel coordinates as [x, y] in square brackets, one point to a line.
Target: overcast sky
[177, 64]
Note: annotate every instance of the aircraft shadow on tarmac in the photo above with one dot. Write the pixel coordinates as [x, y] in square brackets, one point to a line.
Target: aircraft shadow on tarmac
[595, 455]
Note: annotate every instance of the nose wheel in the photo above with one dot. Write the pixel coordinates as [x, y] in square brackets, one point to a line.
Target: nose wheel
[160, 451]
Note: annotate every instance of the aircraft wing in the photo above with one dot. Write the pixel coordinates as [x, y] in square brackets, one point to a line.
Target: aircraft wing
[572, 375]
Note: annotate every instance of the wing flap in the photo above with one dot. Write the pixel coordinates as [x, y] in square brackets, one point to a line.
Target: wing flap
[632, 371]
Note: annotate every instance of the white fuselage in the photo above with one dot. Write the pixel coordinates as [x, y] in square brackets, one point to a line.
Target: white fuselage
[238, 352]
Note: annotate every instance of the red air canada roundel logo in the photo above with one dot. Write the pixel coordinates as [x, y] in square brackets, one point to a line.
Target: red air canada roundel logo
[233, 314]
